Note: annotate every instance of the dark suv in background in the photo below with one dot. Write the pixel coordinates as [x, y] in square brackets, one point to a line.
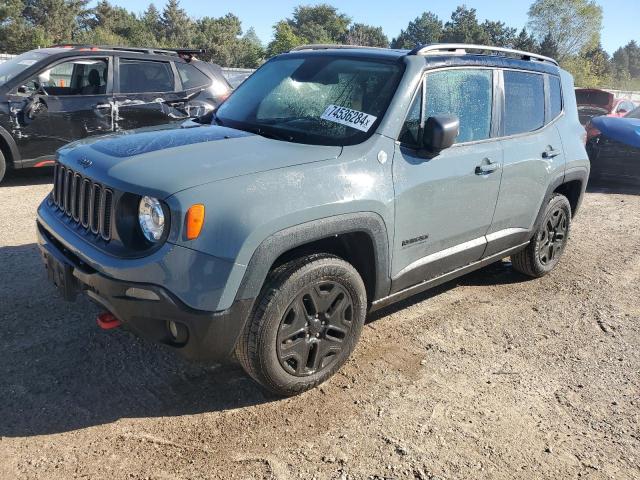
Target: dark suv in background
[52, 96]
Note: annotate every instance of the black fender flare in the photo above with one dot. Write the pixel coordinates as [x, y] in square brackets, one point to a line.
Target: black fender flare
[578, 173]
[12, 146]
[285, 240]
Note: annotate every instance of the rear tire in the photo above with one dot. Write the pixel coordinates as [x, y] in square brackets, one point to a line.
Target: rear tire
[307, 322]
[549, 241]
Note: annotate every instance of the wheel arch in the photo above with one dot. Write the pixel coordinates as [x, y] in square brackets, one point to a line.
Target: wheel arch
[359, 238]
[9, 148]
[572, 184]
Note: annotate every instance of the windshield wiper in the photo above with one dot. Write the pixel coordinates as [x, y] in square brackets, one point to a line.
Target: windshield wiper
[269, 134]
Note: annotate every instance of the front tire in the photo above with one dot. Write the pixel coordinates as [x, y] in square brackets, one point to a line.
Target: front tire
[307, 322]
[548, 244]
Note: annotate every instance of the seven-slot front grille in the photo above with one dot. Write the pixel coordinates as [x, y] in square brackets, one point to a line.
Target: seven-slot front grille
[88, 203]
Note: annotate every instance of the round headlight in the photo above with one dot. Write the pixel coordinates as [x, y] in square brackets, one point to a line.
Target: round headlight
[151, 218]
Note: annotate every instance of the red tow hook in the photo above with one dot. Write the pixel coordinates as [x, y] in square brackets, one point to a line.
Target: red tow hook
[107, 321]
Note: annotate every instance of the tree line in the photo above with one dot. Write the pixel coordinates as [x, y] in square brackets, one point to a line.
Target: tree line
[568, 30]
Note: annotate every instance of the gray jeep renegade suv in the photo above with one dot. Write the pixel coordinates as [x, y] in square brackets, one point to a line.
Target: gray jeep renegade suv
[333, 182]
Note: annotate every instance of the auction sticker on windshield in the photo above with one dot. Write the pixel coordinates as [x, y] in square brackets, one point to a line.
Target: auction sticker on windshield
[351, 118]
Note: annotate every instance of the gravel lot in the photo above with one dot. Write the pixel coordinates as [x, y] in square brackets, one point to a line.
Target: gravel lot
[490, 376]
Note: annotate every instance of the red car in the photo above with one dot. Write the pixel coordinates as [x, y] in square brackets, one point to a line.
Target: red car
[593, 102]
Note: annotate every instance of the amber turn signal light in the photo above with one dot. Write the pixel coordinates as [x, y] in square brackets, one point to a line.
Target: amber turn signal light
[195, 220]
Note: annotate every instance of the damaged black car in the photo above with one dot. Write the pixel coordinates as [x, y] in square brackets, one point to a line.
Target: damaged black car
[52, 96]
[614, 149]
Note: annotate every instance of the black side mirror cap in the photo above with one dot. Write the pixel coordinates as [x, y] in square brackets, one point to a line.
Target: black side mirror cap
[440, 133]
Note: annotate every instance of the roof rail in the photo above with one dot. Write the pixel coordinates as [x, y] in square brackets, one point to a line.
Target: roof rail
[161, 51]
[462, 48]
[330, 46]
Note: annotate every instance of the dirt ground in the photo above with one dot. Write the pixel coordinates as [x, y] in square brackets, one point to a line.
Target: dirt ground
[490, 376]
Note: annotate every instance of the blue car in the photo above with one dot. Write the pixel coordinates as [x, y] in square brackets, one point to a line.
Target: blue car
[614, 148]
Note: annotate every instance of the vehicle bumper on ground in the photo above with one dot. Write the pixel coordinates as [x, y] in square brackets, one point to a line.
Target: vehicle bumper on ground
[147, 309]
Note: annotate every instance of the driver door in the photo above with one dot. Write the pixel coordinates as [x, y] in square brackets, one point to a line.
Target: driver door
[445, 204]
[67, 101]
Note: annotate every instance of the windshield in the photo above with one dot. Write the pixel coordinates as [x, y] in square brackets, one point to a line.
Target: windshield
[634, 113]
[17, 65]
[322, 100]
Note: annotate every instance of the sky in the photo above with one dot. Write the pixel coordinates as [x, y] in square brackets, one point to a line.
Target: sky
[620, 16]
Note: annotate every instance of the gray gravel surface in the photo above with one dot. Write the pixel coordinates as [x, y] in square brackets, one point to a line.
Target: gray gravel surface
[491, 376]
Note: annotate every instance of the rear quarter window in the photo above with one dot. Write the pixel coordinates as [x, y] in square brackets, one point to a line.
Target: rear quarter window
[524, 102]
[191, 77]
[555, 97]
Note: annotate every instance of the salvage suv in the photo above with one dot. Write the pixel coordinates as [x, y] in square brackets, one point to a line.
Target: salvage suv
[52, 96]
[333, 182]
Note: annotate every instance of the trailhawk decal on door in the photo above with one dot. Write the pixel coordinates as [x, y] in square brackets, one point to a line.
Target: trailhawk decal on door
[351, 118]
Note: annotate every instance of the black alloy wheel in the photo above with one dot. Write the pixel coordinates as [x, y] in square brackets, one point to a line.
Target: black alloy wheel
[305, 325]
[548, 243]
[553, 236]
[314, 327]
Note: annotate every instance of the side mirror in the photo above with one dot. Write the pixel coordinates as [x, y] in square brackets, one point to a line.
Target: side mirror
[440, 133]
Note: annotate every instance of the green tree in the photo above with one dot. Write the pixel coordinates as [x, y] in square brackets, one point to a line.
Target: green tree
[549, 47]
[284, 39]
[152, 21]
[424, 29]
[221, 38]
[16, 34]
[573, 25]
[633, 51]
[176, 26]
[620, 65]
[525, 41]
[361, 34]
[319, 24]
[498, 34]
[464, 28]
[60, 20]
[591, 68]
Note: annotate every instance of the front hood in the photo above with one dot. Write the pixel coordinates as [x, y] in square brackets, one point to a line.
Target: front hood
[625, 130]
[165, 160]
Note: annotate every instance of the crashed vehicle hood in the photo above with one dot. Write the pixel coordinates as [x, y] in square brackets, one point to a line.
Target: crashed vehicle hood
[624, 130]
[164, 160]
[594, 98]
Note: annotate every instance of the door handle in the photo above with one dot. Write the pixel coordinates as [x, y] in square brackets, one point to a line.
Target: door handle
[551, 153]
[486, 168]
[103, 105]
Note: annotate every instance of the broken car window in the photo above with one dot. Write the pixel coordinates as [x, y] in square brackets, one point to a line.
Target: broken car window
[323, 100]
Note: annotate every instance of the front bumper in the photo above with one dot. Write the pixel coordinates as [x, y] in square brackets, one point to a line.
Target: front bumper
[211, 336]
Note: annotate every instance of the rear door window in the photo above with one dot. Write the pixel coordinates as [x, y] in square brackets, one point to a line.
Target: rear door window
[141, 76]
[523, 102]
[191, 77]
